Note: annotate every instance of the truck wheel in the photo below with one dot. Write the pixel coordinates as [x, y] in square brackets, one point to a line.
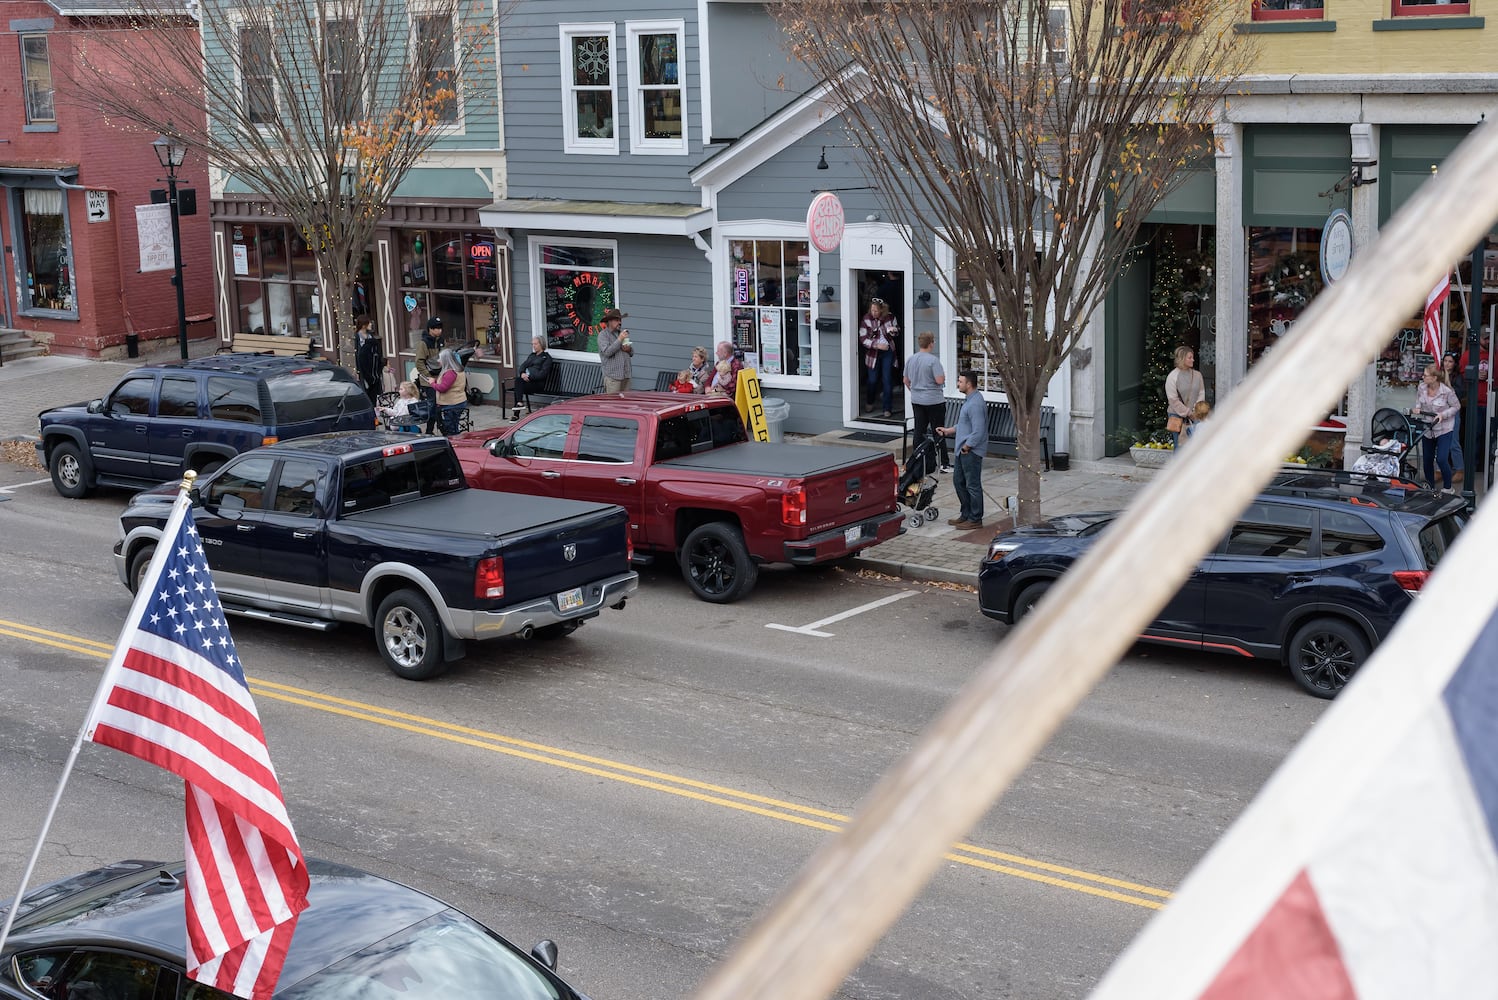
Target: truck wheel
[410, 636]
[210, 466]
[716, 564]
[138, 567]
[67, 471]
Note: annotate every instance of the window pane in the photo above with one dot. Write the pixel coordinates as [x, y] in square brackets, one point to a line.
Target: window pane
[38, 70]
[242, 485]
[434, 40]
[274, 255]
[658, 65]
[1344, 534]
[577, 285]
[233, 399]
[413, 254]
[132, 397]
[303, 263]
[296, 493]
[543, 437]
[256, 79]
[595, 114]
[608, 439]
[483, 262]
[48, 268]
[662, 110]
[447, 260]
[568, 256]
[345, 76]
[179, 397]
[1271, 531]
[591, 61]
[246, 251]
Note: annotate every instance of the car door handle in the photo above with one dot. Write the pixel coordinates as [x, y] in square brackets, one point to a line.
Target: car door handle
[302, 534]
[551, 474]
[244, 527]
[187, 432]
[139, 429]
[625, 481]
[1301, 578]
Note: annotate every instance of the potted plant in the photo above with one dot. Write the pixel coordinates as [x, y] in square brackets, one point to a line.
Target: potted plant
[1152, 451]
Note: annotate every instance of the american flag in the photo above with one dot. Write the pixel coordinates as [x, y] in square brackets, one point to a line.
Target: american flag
[1433, 342]
[1367, 868]
[174, 694]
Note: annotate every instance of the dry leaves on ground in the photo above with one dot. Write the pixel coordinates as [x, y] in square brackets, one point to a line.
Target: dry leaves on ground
[22, 453]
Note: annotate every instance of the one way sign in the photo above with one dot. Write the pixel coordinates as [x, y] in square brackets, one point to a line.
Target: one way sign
[98, 205]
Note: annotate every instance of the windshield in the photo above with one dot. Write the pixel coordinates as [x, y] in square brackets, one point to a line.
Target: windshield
[444, 956]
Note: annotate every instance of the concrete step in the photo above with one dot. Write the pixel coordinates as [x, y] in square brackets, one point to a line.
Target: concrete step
[15, 345]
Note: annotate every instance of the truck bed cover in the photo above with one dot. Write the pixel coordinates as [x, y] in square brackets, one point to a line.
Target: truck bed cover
[479, 513]
[782, 461]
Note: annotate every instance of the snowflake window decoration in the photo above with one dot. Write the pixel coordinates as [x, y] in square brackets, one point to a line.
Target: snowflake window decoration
[591, 61]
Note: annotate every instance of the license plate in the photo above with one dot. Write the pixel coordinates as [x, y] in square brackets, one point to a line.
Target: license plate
[853, 535]
[569, 600]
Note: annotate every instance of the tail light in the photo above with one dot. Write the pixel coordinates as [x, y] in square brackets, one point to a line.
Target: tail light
[629, 545]
[489, 580]
[269, 439]
[1411, 580]
[793, 506]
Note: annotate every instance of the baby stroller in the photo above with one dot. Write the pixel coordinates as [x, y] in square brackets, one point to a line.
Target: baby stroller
[1393, 448]
[918, 482]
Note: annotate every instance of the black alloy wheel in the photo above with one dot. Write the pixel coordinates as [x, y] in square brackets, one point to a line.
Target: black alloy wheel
[1324, 654]
[1028, 598]
[715, 563]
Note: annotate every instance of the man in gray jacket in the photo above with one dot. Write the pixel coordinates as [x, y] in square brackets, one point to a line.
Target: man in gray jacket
[971, 435]
[615, 350]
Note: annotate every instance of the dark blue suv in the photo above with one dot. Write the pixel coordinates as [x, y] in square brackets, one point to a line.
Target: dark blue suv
[1315, 572]
[161, 420]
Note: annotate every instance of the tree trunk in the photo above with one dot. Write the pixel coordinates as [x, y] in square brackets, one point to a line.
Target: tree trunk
[1027, 427]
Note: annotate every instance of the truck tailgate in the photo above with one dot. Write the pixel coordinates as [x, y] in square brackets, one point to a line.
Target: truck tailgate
[852, 493]
[548, 545]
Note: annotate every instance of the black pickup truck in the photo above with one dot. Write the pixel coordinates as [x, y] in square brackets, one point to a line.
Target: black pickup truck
[380, 529]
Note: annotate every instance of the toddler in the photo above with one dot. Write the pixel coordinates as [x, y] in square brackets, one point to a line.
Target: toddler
[723, 382]
[684, 382]
[398, 415]
[1201, 412]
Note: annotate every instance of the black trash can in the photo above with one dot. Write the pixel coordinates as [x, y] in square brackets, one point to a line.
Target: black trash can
[1061, 461]
[132, 345]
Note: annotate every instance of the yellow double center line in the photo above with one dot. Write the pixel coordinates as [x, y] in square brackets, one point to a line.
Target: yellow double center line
[729, 798]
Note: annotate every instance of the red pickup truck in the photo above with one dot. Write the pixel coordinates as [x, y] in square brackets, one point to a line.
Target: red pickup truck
[695, 487]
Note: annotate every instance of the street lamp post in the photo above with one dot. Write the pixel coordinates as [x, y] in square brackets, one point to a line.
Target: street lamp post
[170, 153]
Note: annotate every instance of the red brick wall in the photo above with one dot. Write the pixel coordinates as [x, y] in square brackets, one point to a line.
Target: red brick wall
[111, 295]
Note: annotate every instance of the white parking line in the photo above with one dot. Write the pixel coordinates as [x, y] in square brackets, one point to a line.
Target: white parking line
[34, 482]
[812, 629]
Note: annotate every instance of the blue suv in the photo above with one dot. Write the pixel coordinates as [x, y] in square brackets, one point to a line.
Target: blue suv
[1314, 573]
[161, 420]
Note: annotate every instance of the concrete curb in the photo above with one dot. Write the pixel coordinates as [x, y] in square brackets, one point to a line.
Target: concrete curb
[917, 571]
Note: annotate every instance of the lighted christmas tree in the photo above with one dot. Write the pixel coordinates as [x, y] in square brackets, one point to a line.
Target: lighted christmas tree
[1167, 327]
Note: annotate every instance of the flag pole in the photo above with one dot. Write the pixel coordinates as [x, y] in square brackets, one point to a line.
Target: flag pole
[179, 506]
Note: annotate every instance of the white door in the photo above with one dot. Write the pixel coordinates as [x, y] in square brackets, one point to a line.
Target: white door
[871, 247]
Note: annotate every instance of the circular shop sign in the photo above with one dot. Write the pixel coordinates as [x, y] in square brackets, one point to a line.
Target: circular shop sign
[824, 222]
[1336, 246]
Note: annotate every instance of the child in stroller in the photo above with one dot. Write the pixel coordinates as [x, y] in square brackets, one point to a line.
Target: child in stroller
[918, 481]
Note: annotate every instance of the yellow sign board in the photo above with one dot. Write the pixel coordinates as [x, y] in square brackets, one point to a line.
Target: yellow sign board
[751, 404]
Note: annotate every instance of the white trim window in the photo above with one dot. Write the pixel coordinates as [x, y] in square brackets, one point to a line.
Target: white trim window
[767, 300]
[257, 75]
[589, 89]
[434, 40]
[657, 86]
[573, 281]
[36, 69]
[344, 58]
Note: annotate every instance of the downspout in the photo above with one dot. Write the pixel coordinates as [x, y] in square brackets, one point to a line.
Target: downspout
[119, 256]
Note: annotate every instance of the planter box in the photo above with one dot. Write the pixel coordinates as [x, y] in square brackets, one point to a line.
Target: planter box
[1151, 458]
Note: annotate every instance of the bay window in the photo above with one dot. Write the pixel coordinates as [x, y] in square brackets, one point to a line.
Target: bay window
[588, 89]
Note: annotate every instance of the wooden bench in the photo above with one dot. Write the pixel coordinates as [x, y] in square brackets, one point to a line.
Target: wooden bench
[1003, 435]
[664, 381]
[567, 380]
[270, 343]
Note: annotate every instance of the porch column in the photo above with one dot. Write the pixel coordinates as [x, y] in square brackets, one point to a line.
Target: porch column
[1232, 261]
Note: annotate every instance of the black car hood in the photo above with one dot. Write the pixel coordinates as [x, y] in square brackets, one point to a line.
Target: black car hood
[1066, 525]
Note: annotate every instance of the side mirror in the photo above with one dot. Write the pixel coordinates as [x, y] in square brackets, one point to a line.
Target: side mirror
[545, 952]
[96, 406]
[502, 447]
[195, 497]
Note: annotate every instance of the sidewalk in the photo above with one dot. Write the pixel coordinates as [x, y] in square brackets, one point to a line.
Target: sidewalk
[934, 551]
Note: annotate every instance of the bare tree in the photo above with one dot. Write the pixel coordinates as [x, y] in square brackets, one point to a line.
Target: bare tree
[1032, 137]
[319, 107]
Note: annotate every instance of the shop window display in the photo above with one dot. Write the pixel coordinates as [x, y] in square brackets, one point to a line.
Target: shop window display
[48, 260]
[1284, 275]
[574, 283]
[972, 342]
[449, 274]
[275, 281]
[770, 296]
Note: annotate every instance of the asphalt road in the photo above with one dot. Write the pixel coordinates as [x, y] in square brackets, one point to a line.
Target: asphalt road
[640, 790]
